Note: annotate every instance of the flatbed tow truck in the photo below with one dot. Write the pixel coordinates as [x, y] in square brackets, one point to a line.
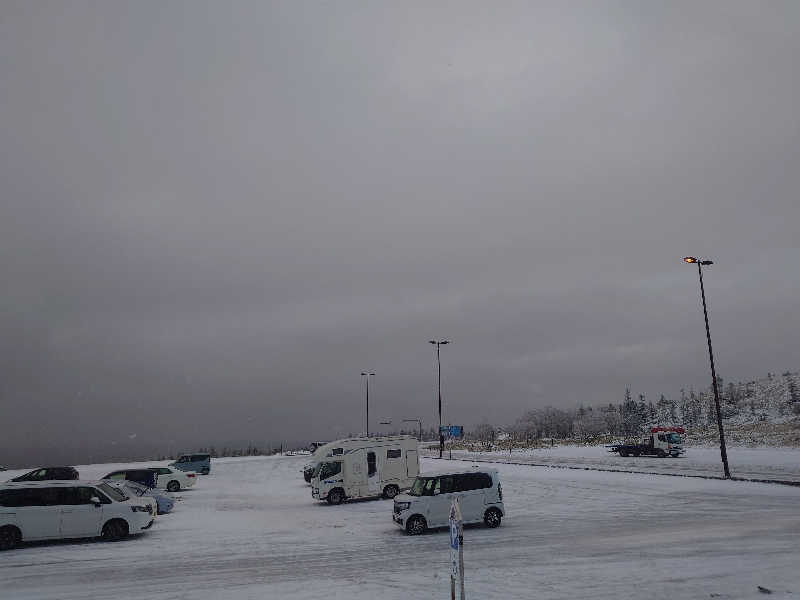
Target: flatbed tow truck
[662, 442]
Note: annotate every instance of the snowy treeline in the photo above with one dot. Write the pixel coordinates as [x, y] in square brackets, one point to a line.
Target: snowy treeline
[774, 399]
[250, 450]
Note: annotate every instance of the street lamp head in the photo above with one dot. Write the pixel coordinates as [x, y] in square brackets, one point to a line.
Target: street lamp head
[706, 262]
[690, 259]
[443, 342]
[432, 342]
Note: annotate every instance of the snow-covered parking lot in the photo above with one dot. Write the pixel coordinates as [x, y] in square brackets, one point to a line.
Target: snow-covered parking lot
[251, 530]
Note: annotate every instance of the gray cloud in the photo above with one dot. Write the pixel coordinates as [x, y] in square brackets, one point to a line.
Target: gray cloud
[214, 217]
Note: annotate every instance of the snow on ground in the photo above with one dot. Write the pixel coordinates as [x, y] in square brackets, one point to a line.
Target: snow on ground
[750, 463]
[251, 530]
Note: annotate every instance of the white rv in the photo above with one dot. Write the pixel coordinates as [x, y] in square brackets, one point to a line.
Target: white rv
[365, 467]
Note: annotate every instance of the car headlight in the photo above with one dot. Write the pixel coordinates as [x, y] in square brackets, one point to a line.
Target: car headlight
[147, 509]
[402, 505]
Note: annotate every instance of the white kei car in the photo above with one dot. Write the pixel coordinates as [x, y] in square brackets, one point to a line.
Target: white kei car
[173, 480]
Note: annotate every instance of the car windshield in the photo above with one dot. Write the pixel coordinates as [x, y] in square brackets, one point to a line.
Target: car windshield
[674, 438]
[329, 469]
[112, 492]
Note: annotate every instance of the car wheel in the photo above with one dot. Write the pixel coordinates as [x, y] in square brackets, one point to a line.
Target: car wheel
[174, 486]
[492, 517]
[416, 525]
[335, 496]
[661, 454]
[10, 537]
[624, 454]
[115, 530]
[390, 491]
[204, 471]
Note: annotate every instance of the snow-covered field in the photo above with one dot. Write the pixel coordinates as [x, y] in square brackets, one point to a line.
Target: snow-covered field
[749, 463]
[251, 530]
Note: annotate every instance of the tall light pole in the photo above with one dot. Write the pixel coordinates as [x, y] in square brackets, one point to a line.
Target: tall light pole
[367, 374]
[722, 449]
[415, 421]
[439, 343]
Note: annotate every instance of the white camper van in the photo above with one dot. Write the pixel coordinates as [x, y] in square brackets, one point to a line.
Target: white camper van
[337, 448]
[365, 467]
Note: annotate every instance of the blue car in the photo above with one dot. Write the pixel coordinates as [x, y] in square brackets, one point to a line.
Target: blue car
[131, 488]
[199, 462]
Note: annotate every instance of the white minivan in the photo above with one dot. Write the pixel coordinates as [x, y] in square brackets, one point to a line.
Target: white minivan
[427, 503]
[47, 510]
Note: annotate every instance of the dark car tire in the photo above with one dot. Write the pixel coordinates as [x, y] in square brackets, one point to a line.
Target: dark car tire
[336, 496]
[416, 525]
[623, 453]
[493, 517]
[115, 530]
[390, 491]
[174, 486]
[661, 454]
[205, 471]
[10, 537]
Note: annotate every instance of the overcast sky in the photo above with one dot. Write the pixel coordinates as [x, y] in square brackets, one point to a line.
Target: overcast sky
[214, 216]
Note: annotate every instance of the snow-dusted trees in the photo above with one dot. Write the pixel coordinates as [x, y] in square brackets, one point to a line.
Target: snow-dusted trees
[664, 411]
[485, 433]
[612, 419]
[545, 422]
[631, 417]
[590, 424]
[765, 399]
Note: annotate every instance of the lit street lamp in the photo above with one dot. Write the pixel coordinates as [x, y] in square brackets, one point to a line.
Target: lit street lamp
[723, 451]
[367, 374]
[439, 343]
[415, 421]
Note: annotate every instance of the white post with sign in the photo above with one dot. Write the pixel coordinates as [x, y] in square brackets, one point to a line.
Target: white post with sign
[456, 549]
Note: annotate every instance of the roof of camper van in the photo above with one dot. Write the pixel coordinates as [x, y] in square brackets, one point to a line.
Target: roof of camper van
[322, 450]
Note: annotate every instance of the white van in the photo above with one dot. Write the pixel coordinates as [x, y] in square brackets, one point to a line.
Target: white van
[427, 504]
[47, 510]
[365, 467]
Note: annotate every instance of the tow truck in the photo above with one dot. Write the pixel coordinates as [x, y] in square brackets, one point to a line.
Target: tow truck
[662, 442]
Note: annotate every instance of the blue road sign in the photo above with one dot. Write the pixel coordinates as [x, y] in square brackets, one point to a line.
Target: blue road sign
[452, 431]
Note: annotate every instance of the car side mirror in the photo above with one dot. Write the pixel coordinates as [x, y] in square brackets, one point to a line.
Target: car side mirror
[95, 500]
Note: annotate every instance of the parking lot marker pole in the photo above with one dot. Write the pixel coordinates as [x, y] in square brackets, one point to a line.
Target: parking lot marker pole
[461, 557]
[456, 550]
